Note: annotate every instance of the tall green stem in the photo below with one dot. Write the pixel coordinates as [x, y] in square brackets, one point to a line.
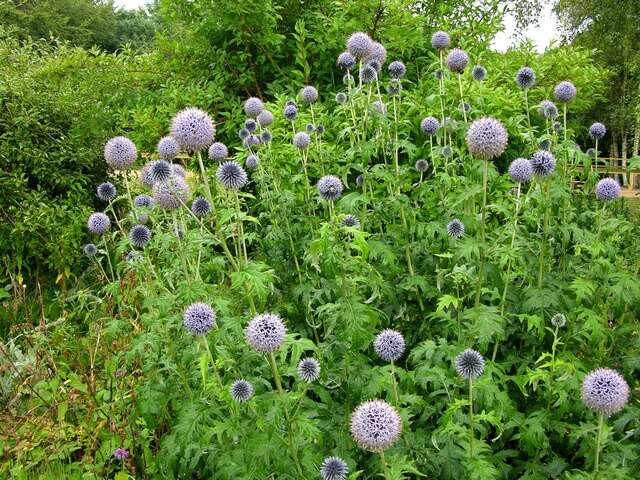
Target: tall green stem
[553, 367]
[470, 418]
[385, 468]
[441, 86]
[545, 229]
[464, 110]
[106, 251]
[526, 106]
[394, 385]
[596, 463]
[485, 175]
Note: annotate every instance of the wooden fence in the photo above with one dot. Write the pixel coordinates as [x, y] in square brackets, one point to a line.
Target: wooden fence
[612, 167]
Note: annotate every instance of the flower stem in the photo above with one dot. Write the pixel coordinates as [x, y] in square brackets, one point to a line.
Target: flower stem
[394, 385]
[470, 419]
[385, 468]
[596, 463]
[464, 111]
[545, 228]
[441, 85]
[485, 174]
[106, 250]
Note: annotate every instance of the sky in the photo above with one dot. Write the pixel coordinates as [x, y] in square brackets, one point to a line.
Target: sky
[541, 35]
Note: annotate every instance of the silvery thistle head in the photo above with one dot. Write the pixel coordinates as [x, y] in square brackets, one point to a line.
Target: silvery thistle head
[334, 468]
[438, 74]
[265, 333]
[252, 161]
[120, 153]
[457, 60]
[308, 95]
[309, 369]
[526, 78]
[231, 175]
[106, 192]
[447, 151]
[172, 193]
[521, 170]
[545, 144]
[543, 163]
[341, 98]
[265, 118]
[487, 138]
[168, 148]
[251, 141]
[143, 201]
[301, 140]
[346, 61]
[193, 129]
[98, 223]
[605, 391]
[350, 221]
[348, 79]
[378, 53]
[440, 40]
[389, 345]
[429, 125]
[368, 74]
[565, 92]
[421, 165]
[455, 228]
[265, 136]
[178, 170]
[359, 45]
[90, 249]
[394, 88]
[379, 107]
[161, 171]
[375, 425]
[139, 236]
[558, 320]
[145, 174]
[243, 133]
[201, 207]
[330, 188]
[241, 391]
[309, 128]
[469, 364]
[199, 318]
[557, 127]
[607, 189]
[320, 129]
[250, 125]
[253, 106]
[290, 112]
[548, 109]
[375, 64]
[597, 131]
[479, 73]
[218, 151]
[397, 69]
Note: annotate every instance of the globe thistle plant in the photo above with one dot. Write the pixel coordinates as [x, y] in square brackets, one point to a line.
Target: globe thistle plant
[440, 40]
[309, 128]
[469, 364]
[265, 136]
[455, 228]
[178, 170]
[301, 140]
[168, 148]
[479, 73]
[243, 133]
[218, 151]
[389, 345]
[139, 236]
[241, 391]
[422, 165]
[120, 153]
[145, 174]
[591, 152]
[447, 151]
[250, 125]
[143, 201]
[347, 79]
[379, 107]
[558, 320]
[397, 69]
[320, 129]
[251, 141]
[346, 61]
[520, 170]
[334, 468]
[341, 98]
[231, 175]
[309, 369]
[98, 223]
[429, 126]
[106, 192]
[368, 74]
[330, 188]
[350, 221]
[565, 92]
[545, 144]
[394, 88]
[290, 112]
[200, 207]
[199, 318]
[375, 425]
[90, 250]
[526, 78]
[265, 333]
[543, 163]
[548, 109]
[360, 180]
[308, 95]
[438, 75]
[605, 391]
[265, 118]
[487, 138]
[359, 45]
[457, 60]
[193, 129]
[597, 131]
[253, 107]
[607, 189]
[252, 162]
[172, 193]
[161, 171]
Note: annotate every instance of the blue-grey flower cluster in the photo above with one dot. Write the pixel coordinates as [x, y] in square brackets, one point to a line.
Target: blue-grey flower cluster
[106, 191]
[375, 425]
[290, 112]
[90, 249]
[597, 131]
[252, 161]
[377, 54]
[348, 79]
[526, 77]
[565, 92]
[250, 125]
[397, 69]
[241, 391]
[545, 144]
[218, 151]
[309, 128]
[389, 345]
[350, 221]
[231, 175]
[368, 73]
[359, 45]
[429, 125]
[265, 118]
[605, 391]
[457, 60]
[132, 256]
[469, 364]
[334, 468]
[98, 223]
[521, 170]
[309, 369]
[172, 193]
[346, 61]
[160, 171]
[440, 40]
[320, 129]
[120, 153]
[301, 140]
[379, 107]
[455, 228]
[487, 138]
[548, 109]
[607, 189]
[243, 133]
[251, 141]
[178, 170]
[330, 188]
[543, 163]
[558, 320]
[253, 106]
[139, 236]
[341, 98]
[479, 73]
[394, 87]
[168, 148]
[266, 137]
[199, 318]
[308, 94]
[193, 129]
[422, 165]
[200, 207]
[143, 201]
[265, 332]
[447, 151]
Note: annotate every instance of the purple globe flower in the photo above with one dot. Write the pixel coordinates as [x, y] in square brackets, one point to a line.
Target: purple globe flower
[389, 345]
[368, 74]
[379, 108]
[132, 256]
[359, 45]
[168, 148]
[106, 192]
[178, 170]
[243, 133]
[290, 112]
[479, 73]
[350, 221]
[253, 106]
[607, 189]
[98, 223]
[252, 162]
[526, 78]
[565, 92]
[375, 425]
[330, 188]
[308, 95]
[218, 151]
[597, 131]
[309, 369]
[120, 153]
[455, 228]
[143, 201]
[241, 391]
[447, 151]
[90, 250]
[145, 174]
[543, 163]
[545, 144]
[438, 74]
[469, 364]
[265, 333]
[341, 98]
[422, 165]
[139, 236]
[193, 129]
[301, 140]
[199, 318]
[201, 207]
[558, 320]
[251, 141]
[440, 40]
[250, 125]
[394, 87]
[378, 54]
[605, 391]
[143, 218]
[548, 109]
[266, 137]
[457, 60]
[487, 138]
[521, 170]
[231, 175]
[397, 69]
[172, 193]
[160, 171]
[121, 454]
[265, 118]
[334, 468]
[346, 61]
[429, 125]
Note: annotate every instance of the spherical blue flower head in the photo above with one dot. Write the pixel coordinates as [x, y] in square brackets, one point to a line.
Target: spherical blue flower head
[121, 454]
[253, 107]
[266, 137]
[172, 193]
[548, 109]
[243, 133]
[309, 128]
[379, 107]
[290, 112]
[341, 98]
[120, 153]
[605, 391]
[597, 131]
[455, 228]
[308, 95]
[368, 74]
[464, 106]
[168, 148]
[145, 174]
[320, 129]
[199, 318]
[438, 74]
[429, 125]
[330, 188]
[375, 425]
[231, 175]
[252, 162]
[375, 64]
[543, 163]
[348, 79]
[394, 88]
[290, 102]
[378, 53]
[106, 191]
[139, 236]
[143, 218]
[422, 165]
[250, 125]
[161, 171]
[265, 118]
[98, 223]
[447, 151]
[301, 140]
[457, 60]
[607, 189]
[359, 45]
[334, 468]
[178, 170]
[558, 320]
[521, 170]
[241, 391]
[201, 207]
[90, 249]
[133, 256]
[440, 40]
[193, 129]
[309, 370]
[479, 73]
[389, 345]
[469, 364]
[360, 180]
[526, 77]
[565, 92]
[265, 333]
[143, 201]
[545, 144]
[397, 69]
[218, 151]
[251, 141]
[346, 61]
[350, 221]
[487, 138]
[591, 152]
